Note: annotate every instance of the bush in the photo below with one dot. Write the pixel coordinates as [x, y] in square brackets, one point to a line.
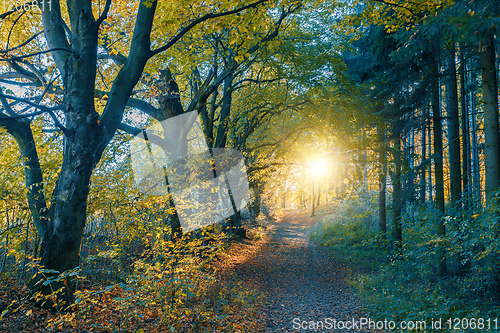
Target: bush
[350, 233]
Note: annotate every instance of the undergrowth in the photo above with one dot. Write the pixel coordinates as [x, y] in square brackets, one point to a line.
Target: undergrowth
[405, 286]
[179, 288]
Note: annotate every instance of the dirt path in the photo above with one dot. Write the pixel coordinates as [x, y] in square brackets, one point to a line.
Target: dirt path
[301, 282]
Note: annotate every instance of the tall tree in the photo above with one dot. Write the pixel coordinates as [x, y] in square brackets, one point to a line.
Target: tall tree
[73, 46]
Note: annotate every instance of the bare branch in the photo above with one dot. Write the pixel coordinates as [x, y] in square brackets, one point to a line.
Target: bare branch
[25, 73]
[104, 13]
[13, 25]
[139, 104]
[153, 138]
[21, 225]
[43, 109]
[145, 107]
[20, 84]
[35, 54]
[129, 129]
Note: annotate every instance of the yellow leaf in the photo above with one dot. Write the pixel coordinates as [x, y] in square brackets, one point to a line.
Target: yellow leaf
[29, 313]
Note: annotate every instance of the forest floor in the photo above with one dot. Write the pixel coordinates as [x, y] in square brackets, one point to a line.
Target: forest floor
[302, 284]
[298, 286]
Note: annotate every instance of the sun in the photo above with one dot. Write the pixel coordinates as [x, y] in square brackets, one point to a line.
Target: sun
[318, 167]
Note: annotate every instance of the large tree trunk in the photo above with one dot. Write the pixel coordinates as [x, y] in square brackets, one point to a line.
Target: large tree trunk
[491, 133]
[61, 243]
[86, 135]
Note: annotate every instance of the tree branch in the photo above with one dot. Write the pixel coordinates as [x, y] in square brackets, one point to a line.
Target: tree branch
[43, 109]
[202, 19]
[17, 8]
[397, 5]
[35, 54]
[104, 13]
[53, 26]
[129, 74]
[144, 106]
[22, 44]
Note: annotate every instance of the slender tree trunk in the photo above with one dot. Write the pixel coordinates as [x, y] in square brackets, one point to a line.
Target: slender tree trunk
[255, 205]
[312, 197]
[26, 243]
[453, 129]
[283, 190]
[365, 170]
[342, 176]
[382, 164]
[6, 251]
[438, 167]
[465, 128]
[475, 172]
[423, 182]
[21, 131]
[491, 127]
[456, 267]
[431, 154]
[397, 200]
[318, 197]
[438, 146]
[409, 192]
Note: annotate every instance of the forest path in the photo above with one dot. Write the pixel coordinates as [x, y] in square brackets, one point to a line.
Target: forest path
[301, 281]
